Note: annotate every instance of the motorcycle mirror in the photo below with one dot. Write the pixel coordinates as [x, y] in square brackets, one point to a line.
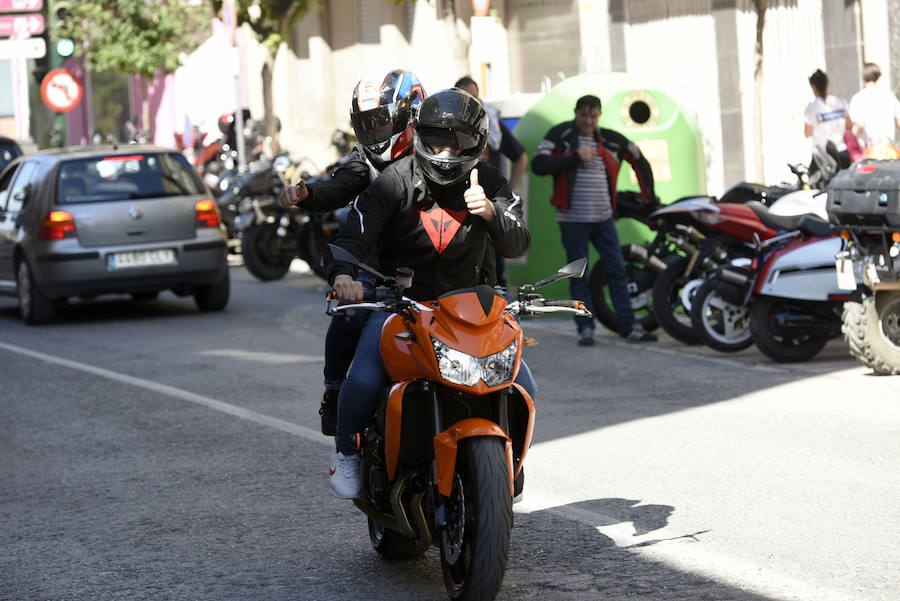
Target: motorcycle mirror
[575, 269]
[343, 256]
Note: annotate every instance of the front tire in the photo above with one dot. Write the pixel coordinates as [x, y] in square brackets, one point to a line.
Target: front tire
[262, 252]
[780, 347]
[670, 311]
[475, 541]
[872, 329]
[721, 325]
[34, 307]
[639, 280]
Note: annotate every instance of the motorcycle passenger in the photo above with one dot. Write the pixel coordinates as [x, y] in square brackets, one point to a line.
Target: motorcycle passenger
[436, 212]
[382, 116]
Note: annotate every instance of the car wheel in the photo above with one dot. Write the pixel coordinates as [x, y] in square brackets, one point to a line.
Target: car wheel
[214, 297]
[34, 307]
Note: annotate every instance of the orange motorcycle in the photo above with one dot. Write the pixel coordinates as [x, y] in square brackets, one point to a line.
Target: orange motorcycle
[441, 459]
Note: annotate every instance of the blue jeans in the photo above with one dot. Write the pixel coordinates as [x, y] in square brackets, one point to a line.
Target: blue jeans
[363, 387]
[605, 238]
[342, 337]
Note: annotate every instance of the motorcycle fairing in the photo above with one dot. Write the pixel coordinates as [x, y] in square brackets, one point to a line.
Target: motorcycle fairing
[804, 271]
[520, 433]
[459, 320]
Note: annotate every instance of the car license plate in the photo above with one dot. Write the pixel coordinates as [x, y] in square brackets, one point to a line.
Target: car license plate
[142, 258]
[845, 278]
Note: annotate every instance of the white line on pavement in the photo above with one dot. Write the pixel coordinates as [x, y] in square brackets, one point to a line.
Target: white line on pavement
[259, 418]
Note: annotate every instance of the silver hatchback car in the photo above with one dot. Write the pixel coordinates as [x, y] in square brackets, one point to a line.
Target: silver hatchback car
[129, 220]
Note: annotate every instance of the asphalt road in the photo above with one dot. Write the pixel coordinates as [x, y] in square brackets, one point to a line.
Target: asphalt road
[148, 451]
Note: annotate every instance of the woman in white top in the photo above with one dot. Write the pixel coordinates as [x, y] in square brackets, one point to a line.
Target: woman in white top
[826, 119]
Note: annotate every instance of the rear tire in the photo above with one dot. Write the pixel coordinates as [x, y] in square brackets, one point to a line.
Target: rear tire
[263, 256]
[393, 545]
[784, 349]
[719, 324]
[670, 312]
[872, 329]
[475, 542]
[34, 307]
[639, 279]
[215, 297]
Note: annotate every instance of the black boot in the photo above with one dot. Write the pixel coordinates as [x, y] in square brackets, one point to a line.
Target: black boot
[328, 411]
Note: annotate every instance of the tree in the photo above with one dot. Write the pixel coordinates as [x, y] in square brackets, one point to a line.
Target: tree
[760, 6]
[134, 37]
[272, 21]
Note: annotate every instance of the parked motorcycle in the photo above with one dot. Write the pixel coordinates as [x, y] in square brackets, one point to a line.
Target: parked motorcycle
[273, 236]
[729, 230]
[442, 458]
[242, 193]
[796, 304]
[674, 239]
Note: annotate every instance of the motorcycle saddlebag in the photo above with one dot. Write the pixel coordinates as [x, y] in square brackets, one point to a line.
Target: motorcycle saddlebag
[867, 193]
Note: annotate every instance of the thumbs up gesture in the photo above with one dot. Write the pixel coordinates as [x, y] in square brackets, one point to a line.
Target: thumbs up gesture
[476, 201]
[293, 194]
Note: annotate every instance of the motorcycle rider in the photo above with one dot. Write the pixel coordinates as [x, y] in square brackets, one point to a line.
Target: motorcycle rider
[382, 113]
[436, 212]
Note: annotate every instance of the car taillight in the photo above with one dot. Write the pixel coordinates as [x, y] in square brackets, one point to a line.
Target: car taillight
[57, 225]
[207, 213]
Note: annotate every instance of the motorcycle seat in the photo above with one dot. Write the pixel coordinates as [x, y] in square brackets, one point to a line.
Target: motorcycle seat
[808, 223]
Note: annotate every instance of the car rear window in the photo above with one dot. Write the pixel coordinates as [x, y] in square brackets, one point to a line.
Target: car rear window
[7, 153]
[123, 177]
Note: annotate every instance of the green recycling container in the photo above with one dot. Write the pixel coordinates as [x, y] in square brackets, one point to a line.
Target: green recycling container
[667, 135]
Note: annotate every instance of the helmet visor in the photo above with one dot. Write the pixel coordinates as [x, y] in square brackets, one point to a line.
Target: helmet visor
[374, 126]
[454, 139]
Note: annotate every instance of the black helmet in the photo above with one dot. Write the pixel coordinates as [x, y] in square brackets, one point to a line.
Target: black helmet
[382, 114]
[453, 122]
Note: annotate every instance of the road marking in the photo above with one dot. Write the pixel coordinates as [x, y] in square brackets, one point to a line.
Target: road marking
[273, 358]
[679, 552]
[241, 412]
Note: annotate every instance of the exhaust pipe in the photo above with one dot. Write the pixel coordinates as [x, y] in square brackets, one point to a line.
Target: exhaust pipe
[636, 252]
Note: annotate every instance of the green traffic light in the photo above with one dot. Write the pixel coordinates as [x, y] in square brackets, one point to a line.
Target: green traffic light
[65, 47]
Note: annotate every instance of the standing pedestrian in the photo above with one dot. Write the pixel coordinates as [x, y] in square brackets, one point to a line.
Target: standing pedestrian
[874, 110]
[584, 161]
[826, 119]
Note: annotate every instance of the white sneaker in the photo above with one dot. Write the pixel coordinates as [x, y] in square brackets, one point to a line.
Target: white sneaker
[345, 480]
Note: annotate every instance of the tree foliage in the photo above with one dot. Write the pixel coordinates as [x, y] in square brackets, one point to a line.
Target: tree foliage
[271, 20]
[134, 37]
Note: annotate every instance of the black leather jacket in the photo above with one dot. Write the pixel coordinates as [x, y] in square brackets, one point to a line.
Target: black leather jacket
[352, 177]
[428, 228]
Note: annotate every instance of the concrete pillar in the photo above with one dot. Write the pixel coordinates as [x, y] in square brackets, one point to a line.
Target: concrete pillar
[617, 22]
[843, 47]
[725, 16]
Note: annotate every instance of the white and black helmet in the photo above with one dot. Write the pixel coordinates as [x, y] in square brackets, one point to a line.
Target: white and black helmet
[451, 134]
[382, 112]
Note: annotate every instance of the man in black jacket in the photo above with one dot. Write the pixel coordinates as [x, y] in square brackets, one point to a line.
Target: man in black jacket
[437, 212]
[584, 161]
[382, 116]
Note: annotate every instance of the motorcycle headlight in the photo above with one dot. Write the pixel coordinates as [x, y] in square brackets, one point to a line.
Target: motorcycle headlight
[460, 368]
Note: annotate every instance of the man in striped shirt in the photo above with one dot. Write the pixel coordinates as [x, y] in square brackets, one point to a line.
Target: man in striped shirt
[584, 161]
